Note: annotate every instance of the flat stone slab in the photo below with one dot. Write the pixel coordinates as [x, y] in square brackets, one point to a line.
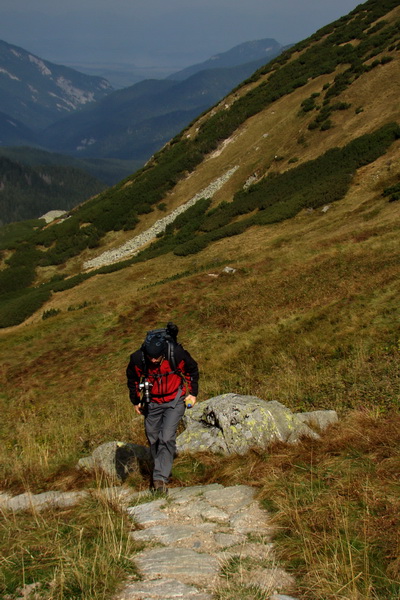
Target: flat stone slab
[184, 495]
[165, 534]
[54, 500]
[231, 499]
[184, 564]
[162, 589]
[38, 502]
[148, 514]
[250, 520]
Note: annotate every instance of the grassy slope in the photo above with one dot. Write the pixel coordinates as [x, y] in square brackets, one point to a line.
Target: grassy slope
[310, 318]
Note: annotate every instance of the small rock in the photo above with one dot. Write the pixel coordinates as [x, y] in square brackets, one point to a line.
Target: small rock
[321, 419]
[117, 459]
[224, 540]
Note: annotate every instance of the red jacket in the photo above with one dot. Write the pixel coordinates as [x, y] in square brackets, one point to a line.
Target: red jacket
[164, 380]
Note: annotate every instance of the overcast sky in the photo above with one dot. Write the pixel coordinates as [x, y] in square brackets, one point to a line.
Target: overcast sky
[146, 33]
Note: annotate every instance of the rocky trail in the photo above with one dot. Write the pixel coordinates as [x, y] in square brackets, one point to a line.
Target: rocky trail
[204, 540]
[200, 543]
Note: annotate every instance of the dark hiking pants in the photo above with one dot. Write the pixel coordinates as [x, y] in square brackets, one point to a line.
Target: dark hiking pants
[161, 423]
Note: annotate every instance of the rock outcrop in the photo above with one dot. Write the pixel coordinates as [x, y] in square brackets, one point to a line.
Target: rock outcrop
[227, 424]
[232, 423]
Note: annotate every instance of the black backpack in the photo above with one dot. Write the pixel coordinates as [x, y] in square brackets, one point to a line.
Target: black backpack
[168, 334]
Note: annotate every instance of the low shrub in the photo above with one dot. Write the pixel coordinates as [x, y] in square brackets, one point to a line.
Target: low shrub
[52, 312]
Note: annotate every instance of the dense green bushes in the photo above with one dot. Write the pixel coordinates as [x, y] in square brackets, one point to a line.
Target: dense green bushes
[15, 279]
[21, 269]
[14, 234]
[393, 192]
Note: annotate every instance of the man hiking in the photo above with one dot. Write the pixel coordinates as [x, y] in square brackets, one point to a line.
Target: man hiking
[167, 376]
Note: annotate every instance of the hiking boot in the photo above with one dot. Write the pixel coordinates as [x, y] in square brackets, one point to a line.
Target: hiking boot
[160, 486]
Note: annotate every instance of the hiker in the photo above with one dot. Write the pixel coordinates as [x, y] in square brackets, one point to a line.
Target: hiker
[168, 377]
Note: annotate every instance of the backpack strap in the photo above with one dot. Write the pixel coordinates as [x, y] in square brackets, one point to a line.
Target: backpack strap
[171, 355]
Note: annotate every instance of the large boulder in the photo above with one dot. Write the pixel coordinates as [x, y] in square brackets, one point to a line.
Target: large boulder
[117, 460]
[232, 424]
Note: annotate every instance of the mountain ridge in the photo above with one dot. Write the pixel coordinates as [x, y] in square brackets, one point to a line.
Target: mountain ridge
[121, 112]
[247, 52]
[114, 128]
[37, 92]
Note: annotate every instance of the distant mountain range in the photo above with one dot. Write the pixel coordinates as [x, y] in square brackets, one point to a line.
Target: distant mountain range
[248, 52]
[36, 92]
[136, 122]
[62, 110]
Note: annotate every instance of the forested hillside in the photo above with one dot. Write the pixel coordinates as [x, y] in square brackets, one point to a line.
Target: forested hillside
[29, 192]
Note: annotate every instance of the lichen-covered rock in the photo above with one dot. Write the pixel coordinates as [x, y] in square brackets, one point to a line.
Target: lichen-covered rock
[233, 423]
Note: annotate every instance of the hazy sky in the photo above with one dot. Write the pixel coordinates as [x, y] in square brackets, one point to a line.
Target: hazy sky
[150, 33]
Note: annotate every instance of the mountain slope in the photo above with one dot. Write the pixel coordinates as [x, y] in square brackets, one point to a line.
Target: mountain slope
[130, 123]
[291, 138]
[14, 132]
[256, 50]
[37, 92]
[107, 171]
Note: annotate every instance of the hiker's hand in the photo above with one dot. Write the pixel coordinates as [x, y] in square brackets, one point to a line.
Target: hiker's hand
[138, 408]
[190, 400]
